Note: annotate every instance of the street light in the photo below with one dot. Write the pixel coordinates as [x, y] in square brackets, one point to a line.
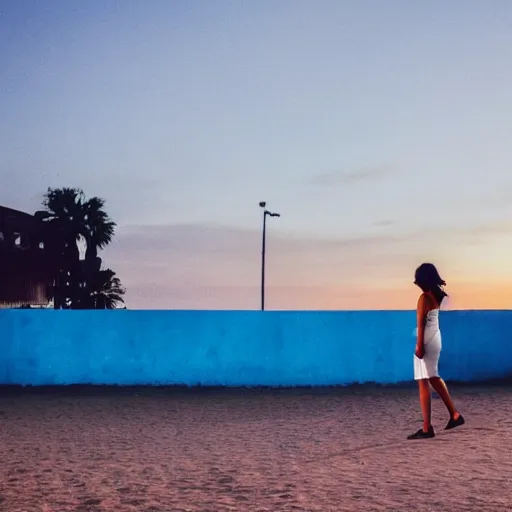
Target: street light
[270, 214]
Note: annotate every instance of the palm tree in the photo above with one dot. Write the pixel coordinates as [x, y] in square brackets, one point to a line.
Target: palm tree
[102, 291]
[80, 220]
[100, 228]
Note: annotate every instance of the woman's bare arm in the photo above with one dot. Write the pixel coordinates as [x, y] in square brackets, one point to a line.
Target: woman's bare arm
[421, 318]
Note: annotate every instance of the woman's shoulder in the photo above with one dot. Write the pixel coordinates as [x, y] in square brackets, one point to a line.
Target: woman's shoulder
[424, 297]
[426, 302]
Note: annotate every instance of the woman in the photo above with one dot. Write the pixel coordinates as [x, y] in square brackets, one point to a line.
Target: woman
[428, 349]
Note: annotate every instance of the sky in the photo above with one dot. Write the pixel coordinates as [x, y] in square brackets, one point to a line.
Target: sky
[379, 131]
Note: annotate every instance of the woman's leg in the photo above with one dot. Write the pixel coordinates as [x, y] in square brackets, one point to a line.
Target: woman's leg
[425, 402]
[442, 390]
[456, 419]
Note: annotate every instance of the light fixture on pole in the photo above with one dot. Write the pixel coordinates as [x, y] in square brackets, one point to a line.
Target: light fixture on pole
[263, 204]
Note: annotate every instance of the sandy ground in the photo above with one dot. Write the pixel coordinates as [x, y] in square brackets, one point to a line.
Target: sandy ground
[262, 450]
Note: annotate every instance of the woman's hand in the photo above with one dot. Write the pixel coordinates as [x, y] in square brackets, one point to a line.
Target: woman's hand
[420, 351]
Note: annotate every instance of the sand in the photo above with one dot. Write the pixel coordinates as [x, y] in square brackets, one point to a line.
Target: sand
[167, 450]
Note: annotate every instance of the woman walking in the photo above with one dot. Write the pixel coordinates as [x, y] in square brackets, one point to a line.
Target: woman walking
[428, 350]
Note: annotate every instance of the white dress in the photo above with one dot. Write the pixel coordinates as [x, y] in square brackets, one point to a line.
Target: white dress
[428, 366]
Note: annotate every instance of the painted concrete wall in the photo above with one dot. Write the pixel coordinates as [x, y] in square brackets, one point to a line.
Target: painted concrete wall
[242, 348]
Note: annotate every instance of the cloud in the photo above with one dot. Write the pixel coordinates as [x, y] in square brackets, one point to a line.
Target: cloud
[384, 223]
[213, 266]
[347, 178]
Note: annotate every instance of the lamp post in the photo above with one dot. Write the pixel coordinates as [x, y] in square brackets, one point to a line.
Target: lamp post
[263, 204]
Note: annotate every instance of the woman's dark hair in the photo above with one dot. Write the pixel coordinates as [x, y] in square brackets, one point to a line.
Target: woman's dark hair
[428, 279]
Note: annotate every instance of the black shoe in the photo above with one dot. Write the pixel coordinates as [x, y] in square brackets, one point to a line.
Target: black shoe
[423, 435]
[455, 423]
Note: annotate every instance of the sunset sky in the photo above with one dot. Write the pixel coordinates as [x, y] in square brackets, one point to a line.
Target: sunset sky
[381, 131]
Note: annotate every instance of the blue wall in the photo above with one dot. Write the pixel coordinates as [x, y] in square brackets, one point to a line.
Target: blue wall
[234, 348]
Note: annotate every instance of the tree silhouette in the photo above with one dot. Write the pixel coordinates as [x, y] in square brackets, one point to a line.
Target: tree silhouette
[83, 221]
[102, 291]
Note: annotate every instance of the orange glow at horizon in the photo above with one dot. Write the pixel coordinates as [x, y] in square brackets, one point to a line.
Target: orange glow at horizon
[461, 296]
